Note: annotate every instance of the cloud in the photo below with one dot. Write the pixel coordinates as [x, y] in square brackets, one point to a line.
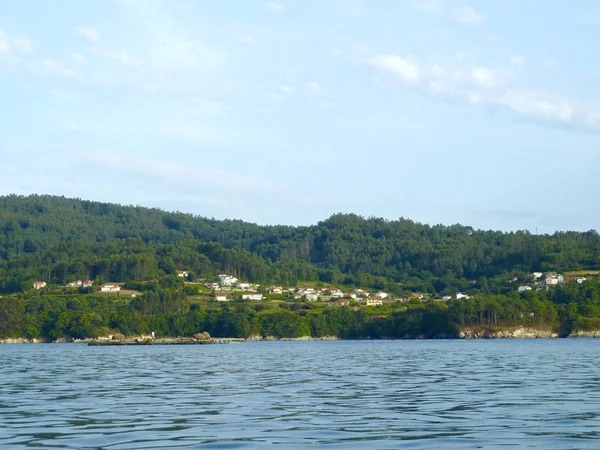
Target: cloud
[314, 87]
[274, 7]
[50, 67]
[486, 86]
[11, 45]
[517, 60]
[123, 58]
[89, 33]
[248, 40]
[396, 66]
[551, 63]
[430, 6]
[468, 16]
[78, 59]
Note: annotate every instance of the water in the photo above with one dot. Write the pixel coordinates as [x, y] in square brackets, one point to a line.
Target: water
[363, 394]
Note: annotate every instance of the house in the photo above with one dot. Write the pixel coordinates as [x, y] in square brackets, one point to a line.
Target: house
[524, 288]
[221, 298]
[77, 283]
[580, 280]
[336, 293]
[110, 288]
[311, 297]
[361, 293]
[352, 296]
[183, 273]
[381, 295]
[252, 297]
[342, 302]
[213, 286]
[461, 295]
[374, 302]
[551, 280]
[243, 286]
[537, 275]
[297, 295]
[276, 290]
[227, 280]
[39, 285]
[447, 297]
[87, 284]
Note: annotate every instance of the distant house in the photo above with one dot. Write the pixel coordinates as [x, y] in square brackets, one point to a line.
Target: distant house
[183, 273]
[374, 302]
[551, 280]
[252, 297]
[213, 286]
[537, 275]
[87, 283]
[311, 297]
[447, 297]
[342, 302]
[335, 292]
[110, 288]
[276, 290]
[461, 295]
[227, 280]
[524, 288]
[77, 283]
[39, 285]
[580, 280]
[381, 295]
[221, 298]
[243, 286]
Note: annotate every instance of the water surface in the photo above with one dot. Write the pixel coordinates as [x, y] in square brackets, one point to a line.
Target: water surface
[340, 394]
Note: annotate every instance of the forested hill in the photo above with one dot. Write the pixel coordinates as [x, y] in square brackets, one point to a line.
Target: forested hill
[57, 239]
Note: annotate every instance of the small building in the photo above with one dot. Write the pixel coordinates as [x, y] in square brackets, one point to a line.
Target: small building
[213, 286]
[276, 290]
[183, 273]
[461, 295]
[447, 297]
[77, 283]
[110, 288]
[227, 280]
[381, 295]
[537, 275]
[336, 293]
[524, 288]
[551, 280]
[252, 297]
[87, 284]
[39, 284]
[580, 280]
[243, 286]
[221, 298]
[374, 302]
[311, 297]
[342, 302]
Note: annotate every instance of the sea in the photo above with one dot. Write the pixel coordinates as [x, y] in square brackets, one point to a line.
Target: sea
[370, 394]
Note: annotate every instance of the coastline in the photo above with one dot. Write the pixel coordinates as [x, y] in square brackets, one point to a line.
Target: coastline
[465, 333]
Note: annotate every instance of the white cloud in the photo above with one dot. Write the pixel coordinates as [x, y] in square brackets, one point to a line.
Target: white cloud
[121, 57]
[485, 86]
[274, 7]
[286, 89]
[89, 33]
[397, 66]
[50, 67]
[78, 59]
[248, 40]
[314, 87]
[468, 16]
[9, 44]
[517, 60]
[430, 6]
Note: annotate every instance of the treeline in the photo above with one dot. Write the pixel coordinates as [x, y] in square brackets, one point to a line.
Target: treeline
[167, 313]
[57, 240]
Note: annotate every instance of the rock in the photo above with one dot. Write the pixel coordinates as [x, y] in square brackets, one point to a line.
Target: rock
[118, 337]
[585, 334]
[202, 336]
[506, 333]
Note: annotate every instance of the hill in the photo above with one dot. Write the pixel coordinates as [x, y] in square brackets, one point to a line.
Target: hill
[57, 239]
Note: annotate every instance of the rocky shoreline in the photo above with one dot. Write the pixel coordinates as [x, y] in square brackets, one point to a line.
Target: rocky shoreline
[204, 338]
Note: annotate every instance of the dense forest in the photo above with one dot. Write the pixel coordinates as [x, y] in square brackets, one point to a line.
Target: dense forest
[58, 240]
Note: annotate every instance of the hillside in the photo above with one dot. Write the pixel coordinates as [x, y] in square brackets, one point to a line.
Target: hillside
[56, 239]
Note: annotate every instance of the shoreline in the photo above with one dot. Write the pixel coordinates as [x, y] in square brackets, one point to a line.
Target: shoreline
[463, 334]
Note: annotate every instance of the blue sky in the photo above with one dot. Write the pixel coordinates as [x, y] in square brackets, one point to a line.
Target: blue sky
[485, 113]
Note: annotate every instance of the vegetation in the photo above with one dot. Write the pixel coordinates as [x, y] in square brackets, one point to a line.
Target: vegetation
[59, 240]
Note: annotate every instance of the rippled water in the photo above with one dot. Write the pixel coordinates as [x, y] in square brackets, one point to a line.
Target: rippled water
[361, 394]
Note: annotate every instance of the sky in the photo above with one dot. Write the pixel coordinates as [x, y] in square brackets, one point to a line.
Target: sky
[484, 112]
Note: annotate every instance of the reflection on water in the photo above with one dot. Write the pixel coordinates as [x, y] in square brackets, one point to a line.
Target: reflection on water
[362, 394]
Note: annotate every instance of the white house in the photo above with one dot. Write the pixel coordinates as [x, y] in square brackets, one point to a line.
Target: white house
[243, 286]
[77, 283]
[461, 295]
[336, 293]
[381, 295]
[276, 290]
[524, 288]
[447, 297]
[183, 273]
[580, 280]
[39, 285]
[214, 286]
[252, 297]
[110, 288]
[311, 297]
[87, 283]
[221, 298]
[537, 275]
[551, 280]
[227, 280]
